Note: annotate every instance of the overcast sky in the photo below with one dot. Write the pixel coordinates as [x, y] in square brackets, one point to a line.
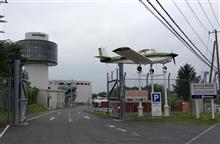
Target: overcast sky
[81, 27]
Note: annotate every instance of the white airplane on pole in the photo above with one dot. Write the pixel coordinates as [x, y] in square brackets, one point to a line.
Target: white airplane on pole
[129, 56]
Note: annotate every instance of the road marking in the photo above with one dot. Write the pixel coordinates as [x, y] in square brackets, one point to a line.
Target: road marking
[134, 134]
[163, 137]
[69, 114]
[78, 112]
[3, 132]
[52, 118]
[190, 141]
[40, 116]
[116, 120]
[121, 129]
[86, 117]
[70, 120]
[111, 126]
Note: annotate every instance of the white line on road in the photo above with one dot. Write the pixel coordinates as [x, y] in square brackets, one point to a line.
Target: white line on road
[78, 112]
[52, 118]
[40, 116]
[70, 120]
[3, 132]
[121, 129]
[190, 141]
[111, 126]
[69, 114]
[134, 134]
[86, 117]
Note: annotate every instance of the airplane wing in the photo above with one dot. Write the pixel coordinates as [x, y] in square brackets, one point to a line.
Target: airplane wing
[132, 55]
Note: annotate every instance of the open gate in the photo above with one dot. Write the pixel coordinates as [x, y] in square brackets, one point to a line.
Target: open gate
[113, 94]
[116, 92]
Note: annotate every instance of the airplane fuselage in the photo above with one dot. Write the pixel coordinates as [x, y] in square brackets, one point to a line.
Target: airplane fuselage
[155, 58]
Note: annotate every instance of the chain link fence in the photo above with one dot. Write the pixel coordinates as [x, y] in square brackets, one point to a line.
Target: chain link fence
[141, 89]
[6, 101]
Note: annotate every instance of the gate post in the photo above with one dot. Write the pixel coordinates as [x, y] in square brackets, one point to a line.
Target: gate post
[16, 90]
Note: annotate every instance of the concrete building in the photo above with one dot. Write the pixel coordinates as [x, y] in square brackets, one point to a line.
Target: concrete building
[41, 53]
[81, 90]
[52, 99]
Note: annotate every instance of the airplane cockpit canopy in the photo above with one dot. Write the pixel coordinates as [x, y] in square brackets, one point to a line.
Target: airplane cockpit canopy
[146, 51]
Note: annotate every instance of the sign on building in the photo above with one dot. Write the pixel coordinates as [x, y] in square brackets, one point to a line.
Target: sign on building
[156, 104]
[203, 90]
[136, 96]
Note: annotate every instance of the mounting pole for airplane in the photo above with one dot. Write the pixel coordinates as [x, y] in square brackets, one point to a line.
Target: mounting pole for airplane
[166, 106]
[121, 90]
[152, 78]
[139, 70]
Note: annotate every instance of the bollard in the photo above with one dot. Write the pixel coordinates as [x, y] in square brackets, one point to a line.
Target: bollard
[140, 110]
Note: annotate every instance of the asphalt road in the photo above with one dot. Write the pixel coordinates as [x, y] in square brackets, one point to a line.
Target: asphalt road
[73, 126]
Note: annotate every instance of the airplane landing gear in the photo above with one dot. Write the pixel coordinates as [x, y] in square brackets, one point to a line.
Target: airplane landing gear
[139, 68]
[151, 70]
[164, 68]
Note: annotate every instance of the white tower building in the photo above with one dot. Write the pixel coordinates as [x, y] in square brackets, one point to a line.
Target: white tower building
[41, 53]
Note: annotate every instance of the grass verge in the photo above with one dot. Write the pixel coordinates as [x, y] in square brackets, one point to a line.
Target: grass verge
[3, 116]
[35, 108]
[98, 114]
[179, 118]
[174, 118]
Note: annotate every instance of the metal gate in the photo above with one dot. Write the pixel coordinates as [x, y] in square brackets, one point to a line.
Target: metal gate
[23, 96]
[13, 96]
[116, 92]
[113, 94]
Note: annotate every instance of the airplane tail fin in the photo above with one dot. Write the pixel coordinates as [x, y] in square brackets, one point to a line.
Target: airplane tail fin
[102, 54]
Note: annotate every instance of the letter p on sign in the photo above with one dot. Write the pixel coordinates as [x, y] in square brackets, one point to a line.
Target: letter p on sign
[156, 97]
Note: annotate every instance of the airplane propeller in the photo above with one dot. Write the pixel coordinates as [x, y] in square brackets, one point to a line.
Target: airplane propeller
[173, 55]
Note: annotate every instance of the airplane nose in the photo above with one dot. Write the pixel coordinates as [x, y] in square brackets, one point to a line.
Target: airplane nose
[174, 55]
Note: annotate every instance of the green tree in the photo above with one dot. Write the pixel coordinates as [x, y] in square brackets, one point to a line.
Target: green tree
[8, 52]
[32, 95]
[102, 94]
[185, 74]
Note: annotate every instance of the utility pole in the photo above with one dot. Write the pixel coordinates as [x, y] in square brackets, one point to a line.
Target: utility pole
[215, 47]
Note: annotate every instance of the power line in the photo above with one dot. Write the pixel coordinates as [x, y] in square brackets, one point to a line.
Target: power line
[196, 16]
[171, 29]
[191, 26]
[180, 29]
[205, 14]
[213, 12]
[206, 61]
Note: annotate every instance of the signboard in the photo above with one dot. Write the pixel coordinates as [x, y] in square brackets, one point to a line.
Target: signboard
[156, 104]
[203, 90]
[136, 96]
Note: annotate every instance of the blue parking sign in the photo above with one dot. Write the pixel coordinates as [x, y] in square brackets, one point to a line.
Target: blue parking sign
[156, 97]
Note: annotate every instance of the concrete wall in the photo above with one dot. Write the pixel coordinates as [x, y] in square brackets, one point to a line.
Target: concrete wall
[38, 75]
[42, 98]
[84, 91]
